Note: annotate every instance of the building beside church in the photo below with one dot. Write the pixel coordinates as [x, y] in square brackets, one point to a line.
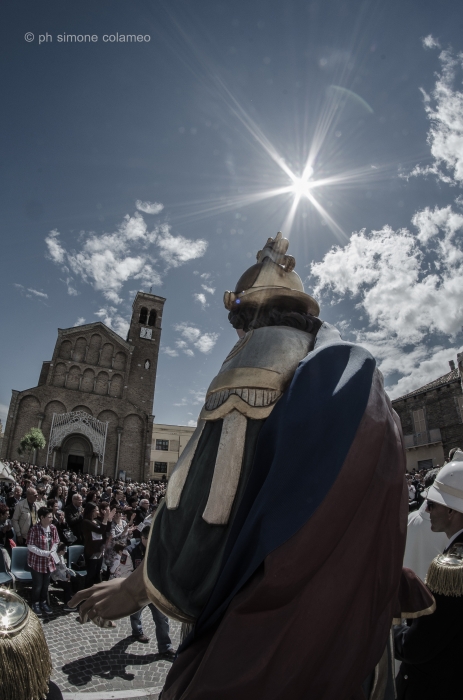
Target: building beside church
[432, 419]
[94, 398]
[168, 443]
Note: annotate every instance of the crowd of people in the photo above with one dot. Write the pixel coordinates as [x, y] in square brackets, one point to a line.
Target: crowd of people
[47, 511]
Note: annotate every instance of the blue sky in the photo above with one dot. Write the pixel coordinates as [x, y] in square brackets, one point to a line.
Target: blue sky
[167, 162]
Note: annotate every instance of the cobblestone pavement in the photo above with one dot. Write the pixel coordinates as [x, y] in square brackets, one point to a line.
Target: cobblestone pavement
[88, 659]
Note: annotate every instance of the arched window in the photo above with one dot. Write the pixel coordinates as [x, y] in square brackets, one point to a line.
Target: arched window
[152, 318]
[143, 315]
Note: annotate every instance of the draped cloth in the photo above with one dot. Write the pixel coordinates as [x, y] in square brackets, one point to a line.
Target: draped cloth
[304, 599]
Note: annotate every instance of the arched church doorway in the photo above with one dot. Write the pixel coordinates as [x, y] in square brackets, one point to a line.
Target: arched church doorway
[77, 453]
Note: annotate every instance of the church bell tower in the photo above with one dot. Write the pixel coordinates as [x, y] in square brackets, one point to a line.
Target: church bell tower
[145, 337]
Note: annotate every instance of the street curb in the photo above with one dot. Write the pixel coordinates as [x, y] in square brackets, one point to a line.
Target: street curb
[151, 693]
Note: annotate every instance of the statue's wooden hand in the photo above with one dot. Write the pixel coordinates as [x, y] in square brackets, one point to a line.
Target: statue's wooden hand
[112, 600]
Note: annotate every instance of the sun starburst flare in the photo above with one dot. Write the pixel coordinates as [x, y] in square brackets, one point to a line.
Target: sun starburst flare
[300, 187]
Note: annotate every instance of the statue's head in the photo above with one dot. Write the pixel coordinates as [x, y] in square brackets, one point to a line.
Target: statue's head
[25, 663]
[270, 293]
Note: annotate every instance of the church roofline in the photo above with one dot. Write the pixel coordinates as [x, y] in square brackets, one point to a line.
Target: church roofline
[97, 324]
[452, 376]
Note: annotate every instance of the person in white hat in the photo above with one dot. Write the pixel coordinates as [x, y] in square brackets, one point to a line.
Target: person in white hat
[445, 501]
[431, 648]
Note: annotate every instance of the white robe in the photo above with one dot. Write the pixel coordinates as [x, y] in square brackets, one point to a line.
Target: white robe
[422, 543]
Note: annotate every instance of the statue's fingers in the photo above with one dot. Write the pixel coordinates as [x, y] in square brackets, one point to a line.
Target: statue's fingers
[79, 597]
[86, 610]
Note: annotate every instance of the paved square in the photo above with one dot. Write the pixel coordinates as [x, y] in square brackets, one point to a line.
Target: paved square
[87, 659]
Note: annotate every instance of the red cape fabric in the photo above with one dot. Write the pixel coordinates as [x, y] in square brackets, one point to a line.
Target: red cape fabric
[313, 621]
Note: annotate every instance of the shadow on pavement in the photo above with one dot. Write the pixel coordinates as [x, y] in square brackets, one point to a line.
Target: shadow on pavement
[108, 664]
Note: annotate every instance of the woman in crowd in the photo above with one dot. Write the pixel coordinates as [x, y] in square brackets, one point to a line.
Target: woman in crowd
[42, 542]
[121, 530]
[95, 533]
[92, 497]
[57, 493]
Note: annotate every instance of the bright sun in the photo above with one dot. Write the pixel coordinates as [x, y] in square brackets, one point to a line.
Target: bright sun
[300, 187]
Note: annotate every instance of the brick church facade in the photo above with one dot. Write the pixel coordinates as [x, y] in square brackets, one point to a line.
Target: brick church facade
[95, 396]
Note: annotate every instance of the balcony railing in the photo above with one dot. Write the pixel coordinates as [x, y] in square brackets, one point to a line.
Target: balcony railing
[427, 437]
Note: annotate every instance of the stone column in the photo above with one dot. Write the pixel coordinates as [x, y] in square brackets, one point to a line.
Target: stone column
[116, 469]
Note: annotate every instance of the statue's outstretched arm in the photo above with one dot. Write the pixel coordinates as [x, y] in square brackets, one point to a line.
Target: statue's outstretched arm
[113, 599]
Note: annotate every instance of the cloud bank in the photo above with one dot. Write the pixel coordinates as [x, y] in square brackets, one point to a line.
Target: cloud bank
[409, 283]
[108, 261]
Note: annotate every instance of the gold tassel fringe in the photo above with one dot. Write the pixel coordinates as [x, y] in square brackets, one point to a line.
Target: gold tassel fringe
[444, 579]
[25, 663]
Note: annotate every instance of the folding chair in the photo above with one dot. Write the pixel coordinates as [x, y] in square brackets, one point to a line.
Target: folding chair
[19, 568]
[74, 552]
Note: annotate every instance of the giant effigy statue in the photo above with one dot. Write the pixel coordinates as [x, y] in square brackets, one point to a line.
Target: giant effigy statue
[281, 538]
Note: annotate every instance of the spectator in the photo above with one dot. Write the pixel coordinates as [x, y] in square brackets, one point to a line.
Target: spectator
[6, 528]
[58, 519]
[57, 492]
[161, 622]
[142, 511]
[14, 499]
[62, 576]
[92, 497]
[25, 515]
[95, 534]
[73, 515]
[121, 530]
[42, 542]
[41, 502]
[122, 565]
[107, 494]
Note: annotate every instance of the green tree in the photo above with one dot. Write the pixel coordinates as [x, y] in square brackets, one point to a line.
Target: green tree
[33, 440]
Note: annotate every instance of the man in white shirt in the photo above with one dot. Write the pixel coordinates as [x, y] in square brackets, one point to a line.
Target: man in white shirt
[432, 647]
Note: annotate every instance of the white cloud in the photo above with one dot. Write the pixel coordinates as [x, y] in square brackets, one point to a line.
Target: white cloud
[209, 290]
[149, 207]
[176, 250]
[107, 261]
[37, 294]
[190, 333]
[430, 43]
[55, 249]
[444, 108]
[169, 351]
[195, 397]
[410, 287]
[30, 293]
[80, 321]
[111, 318]
[202, 299]
[192, 423]
[204, 342]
